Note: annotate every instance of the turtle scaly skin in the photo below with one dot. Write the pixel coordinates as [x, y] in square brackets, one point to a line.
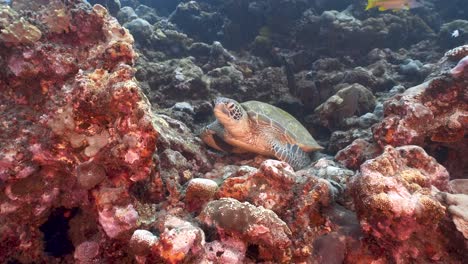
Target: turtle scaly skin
[259, 128]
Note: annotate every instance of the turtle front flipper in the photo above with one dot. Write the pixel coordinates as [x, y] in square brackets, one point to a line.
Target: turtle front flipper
[292, 154]
[213, 136]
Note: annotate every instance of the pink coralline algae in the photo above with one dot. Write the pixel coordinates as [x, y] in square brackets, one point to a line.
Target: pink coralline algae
[75, 130]
[258, 226]
[356, 153]
[433, 115]
[297, 198]
[228, 251]
[434, 111]
[456, 201]
[395, 196]
[180, 243]
[142, 242]
[199, 191]
[86, 251]
[117, 220]
[457, 53]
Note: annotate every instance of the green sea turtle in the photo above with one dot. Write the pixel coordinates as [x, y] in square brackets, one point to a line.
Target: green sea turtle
[260, 128]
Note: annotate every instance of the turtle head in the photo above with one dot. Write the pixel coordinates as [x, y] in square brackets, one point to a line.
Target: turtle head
[228, 111]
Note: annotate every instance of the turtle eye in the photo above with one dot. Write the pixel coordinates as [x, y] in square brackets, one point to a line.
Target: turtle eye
[230, 106]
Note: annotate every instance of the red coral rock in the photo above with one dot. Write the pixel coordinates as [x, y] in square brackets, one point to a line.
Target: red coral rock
[255, 225]
[433, 115]
[457, 53]
[228, 251]
[73, 119]
[142, 242]
[395, 199]
[265, 187]
[180, 243]
[199, 191]
[356, 153]
[297, 198]
[86, 251]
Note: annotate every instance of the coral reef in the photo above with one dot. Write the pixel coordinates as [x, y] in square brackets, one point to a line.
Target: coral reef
[349, 101]
[456, 203]
[15, 29]
[76, 133]
[254, 225]
[395, 199]
[101, 159]
[432, 114]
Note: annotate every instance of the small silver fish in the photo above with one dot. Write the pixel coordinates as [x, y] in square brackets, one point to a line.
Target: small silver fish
[455, 33]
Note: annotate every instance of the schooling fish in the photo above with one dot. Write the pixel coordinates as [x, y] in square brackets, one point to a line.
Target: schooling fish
[393, 4]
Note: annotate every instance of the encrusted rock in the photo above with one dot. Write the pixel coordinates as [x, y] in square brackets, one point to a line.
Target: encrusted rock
[15, 29]
[126, 14]
[118, 220]
[457, 205]
[396, 203]
[90, 174]
[360, 35]
[142, 242]
[352, 100]
[179, 242]
[357, 152]
[263, 187]
[457, 53]
[298, 198]
[228, 251]
[199, 191]
[341, 139]
[252, 224]
[86, 252]
[434, 115]
[76, 133]
[202, 24]
[140, 29]
[461, 69]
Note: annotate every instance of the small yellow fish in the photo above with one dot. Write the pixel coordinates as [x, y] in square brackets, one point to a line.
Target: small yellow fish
[393, 4]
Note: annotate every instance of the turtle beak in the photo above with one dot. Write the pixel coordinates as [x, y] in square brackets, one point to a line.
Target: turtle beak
[220, 110]
[220, 104]
[225, 110]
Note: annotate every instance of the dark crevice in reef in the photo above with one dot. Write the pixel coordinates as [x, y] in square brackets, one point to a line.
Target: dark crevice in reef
[253, 251]
[55, 230]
